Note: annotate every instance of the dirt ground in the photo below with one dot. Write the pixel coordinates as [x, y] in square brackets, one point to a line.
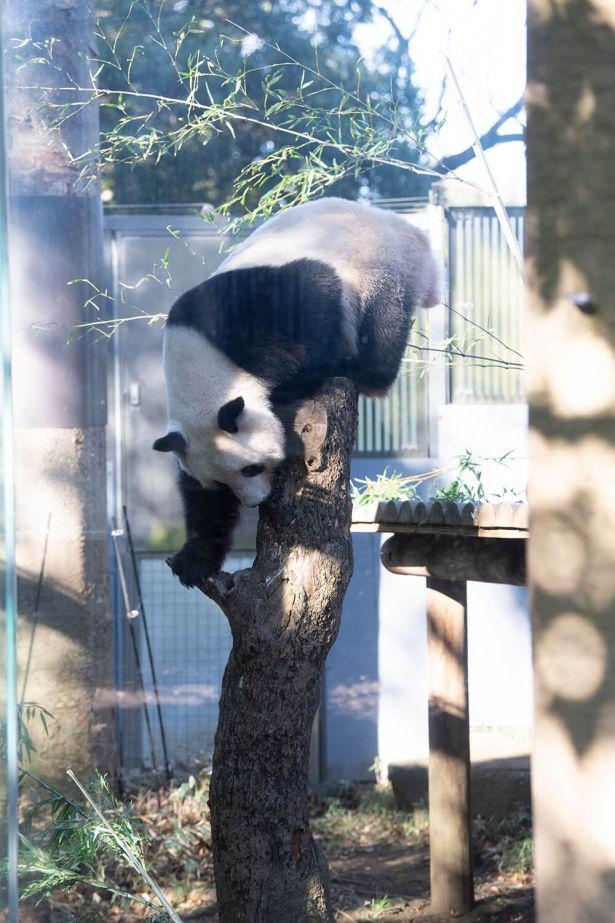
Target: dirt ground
[379, 861]
[378, 856]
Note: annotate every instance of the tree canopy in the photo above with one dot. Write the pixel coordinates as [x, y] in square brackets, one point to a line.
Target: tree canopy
[161, 48]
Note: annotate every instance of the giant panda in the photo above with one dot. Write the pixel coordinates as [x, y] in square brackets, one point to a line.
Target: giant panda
[323, 289]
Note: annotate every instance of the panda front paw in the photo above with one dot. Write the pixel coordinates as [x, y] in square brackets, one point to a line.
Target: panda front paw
[191, 564]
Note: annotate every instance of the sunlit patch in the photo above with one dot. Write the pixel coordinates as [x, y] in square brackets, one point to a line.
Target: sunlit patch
[605, 10]
[357, 700]
[586, 106]
[571, 550]
[571, 658]
[582, 377]
[560, 552]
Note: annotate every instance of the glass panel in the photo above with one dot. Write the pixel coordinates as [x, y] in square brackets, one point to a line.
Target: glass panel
[8, 705]
[127, 660]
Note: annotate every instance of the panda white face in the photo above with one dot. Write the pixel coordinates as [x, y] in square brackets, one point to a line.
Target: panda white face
[222, 429]
[241, 449]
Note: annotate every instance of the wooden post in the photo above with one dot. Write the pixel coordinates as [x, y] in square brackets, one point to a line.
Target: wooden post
[452, 887]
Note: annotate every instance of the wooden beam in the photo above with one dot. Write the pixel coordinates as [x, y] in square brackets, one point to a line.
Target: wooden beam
[456, 557]
[452, 889]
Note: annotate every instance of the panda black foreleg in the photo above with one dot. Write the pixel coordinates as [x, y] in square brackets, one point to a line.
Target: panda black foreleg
[211, 517]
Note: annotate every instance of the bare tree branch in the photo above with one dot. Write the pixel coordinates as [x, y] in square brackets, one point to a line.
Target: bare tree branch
[440, 104]
[402, 57]
[401, 38]
[489, 139]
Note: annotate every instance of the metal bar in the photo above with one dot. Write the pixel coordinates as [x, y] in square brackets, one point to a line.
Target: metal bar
[130, 614]
[9, 590]
[360, 444]
[150, 654]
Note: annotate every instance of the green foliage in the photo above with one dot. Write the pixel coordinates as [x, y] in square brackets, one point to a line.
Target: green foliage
[79, 848]
[65, 844]
[28, 712]
[384, 486]
[372, 815]
[507, 844]
[254, 103]
[466, 485]
[72, 855]
[377, 906]
[387, 486]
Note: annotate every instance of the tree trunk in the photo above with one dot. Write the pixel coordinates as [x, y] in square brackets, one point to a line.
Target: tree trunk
[571, 385]
[284, 614]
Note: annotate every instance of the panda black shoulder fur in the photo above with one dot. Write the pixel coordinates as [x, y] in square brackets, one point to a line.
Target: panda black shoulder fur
[323, 289]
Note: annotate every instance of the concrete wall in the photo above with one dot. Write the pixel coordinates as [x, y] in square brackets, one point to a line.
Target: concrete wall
[55, 237]
[376, 697]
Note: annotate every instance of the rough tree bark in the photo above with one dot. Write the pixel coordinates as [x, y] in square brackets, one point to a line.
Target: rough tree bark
[571, 390]
[284, 614]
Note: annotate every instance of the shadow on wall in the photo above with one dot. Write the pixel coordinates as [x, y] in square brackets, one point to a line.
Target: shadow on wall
[55, 671]
[352, 688]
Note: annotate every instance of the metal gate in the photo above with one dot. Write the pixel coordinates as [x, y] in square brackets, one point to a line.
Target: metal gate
[485, 307]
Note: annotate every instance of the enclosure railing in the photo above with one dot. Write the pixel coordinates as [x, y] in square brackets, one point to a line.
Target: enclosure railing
[485, 296]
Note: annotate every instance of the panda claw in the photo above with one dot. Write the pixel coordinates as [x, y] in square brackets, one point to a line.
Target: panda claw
[189, 566]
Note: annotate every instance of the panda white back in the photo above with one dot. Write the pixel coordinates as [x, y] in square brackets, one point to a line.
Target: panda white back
[361, 242]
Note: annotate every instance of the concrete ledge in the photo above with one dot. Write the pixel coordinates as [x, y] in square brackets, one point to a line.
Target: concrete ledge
[499, 787]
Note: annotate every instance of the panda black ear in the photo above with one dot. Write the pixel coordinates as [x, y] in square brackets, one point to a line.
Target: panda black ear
[228, 414]
[172, 442]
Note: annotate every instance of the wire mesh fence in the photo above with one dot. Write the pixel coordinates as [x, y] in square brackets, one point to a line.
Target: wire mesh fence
[191, 641]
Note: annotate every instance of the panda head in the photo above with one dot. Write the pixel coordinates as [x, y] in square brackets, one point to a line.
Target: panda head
[240, 447]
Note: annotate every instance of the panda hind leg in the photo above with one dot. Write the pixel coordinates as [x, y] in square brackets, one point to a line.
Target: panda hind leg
[211, 517]
[382, 337]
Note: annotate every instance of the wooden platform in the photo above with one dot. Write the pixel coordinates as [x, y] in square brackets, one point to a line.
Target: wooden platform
[449, 544]
[488, 520]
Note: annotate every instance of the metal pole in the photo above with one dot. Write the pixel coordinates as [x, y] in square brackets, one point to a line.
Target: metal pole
[130, 615]
[150, 654]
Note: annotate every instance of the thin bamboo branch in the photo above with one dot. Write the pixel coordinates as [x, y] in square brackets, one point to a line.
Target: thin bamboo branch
[131, 858]
[498, 203]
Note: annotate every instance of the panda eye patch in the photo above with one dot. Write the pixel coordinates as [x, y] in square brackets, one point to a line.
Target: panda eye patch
[251, 471]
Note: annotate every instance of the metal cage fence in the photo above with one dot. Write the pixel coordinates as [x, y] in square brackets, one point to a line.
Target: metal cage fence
[485, 297]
